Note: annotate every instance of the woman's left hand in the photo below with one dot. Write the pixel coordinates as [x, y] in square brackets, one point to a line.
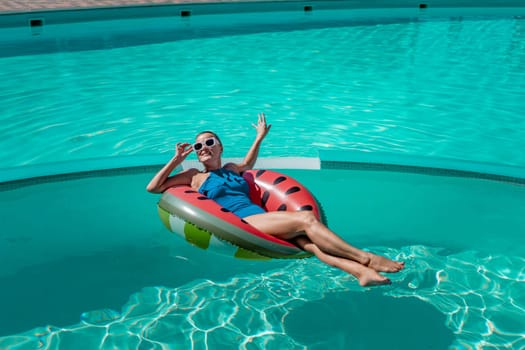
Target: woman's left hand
[261, 127]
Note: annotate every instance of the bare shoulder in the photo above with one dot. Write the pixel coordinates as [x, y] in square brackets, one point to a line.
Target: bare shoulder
[183, 178]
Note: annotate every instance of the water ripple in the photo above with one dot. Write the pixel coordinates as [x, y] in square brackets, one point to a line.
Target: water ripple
[483, 307]
[443, 88]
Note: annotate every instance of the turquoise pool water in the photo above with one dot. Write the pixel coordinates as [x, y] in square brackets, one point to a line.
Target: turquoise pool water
[96, 273]
[88, 270]
[447, 87]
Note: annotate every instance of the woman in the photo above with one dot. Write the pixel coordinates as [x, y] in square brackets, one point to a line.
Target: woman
[225, 185]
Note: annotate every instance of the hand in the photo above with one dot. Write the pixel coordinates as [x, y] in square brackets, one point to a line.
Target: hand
[182, 150]
[261, 127]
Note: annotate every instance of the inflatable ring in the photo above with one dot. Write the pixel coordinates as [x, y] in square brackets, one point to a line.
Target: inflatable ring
[204, 223]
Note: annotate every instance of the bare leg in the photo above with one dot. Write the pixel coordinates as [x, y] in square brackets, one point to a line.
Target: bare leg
[365, 275]
[288, 225]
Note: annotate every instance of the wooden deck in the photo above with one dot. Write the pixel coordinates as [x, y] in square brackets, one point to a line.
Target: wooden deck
[17, 6]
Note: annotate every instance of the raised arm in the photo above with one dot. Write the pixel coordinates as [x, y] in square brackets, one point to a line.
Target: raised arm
[251, 157]
[162, 181]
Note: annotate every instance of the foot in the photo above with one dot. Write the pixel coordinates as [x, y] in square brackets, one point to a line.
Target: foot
[368, 278]
[382, 264]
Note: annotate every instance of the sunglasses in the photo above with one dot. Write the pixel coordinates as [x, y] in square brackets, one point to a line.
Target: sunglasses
[209, 143]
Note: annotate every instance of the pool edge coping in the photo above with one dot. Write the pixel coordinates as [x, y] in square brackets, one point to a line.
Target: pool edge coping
[18, 7]
[328, 160]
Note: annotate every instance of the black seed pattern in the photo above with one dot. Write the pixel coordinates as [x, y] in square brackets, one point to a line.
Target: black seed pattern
[202, 198]
[282, 207]
[279, 180]
[259, 173]
[190, 191]
[264, 198]
[307, 207]
[292, 190]
[224, 210]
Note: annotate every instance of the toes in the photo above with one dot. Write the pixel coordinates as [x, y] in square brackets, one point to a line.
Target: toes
[376, 282]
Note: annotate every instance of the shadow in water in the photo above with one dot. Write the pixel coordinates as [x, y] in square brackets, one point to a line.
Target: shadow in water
[368, 320]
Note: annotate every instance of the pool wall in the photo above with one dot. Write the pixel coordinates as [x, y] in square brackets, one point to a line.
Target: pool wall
[379, 161]
[83, 212]
[51, 31]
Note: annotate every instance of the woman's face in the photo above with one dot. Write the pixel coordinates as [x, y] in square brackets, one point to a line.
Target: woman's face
[207, 147]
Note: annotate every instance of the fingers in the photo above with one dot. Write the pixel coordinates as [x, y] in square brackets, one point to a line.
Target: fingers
[261, 126]
[183, 148]
[261, 120]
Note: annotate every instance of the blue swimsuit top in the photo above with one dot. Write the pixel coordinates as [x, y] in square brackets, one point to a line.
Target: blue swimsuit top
[231, 191]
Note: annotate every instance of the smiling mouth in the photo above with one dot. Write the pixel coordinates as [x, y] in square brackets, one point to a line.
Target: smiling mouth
[205, 154]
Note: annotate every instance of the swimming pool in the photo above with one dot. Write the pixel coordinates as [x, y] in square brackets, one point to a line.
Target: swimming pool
[399, 80]
[372, 119]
